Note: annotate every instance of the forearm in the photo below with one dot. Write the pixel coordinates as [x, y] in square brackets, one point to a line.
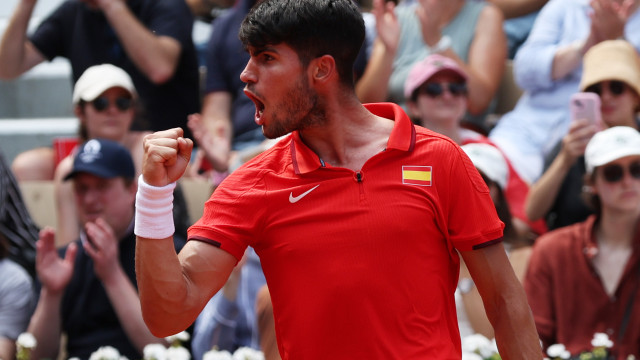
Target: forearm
[46, 326]
[543, 192]
[162, 287]
[373, 85]
[125, 301]
[155, 56]
[514, 327]
[567, 59]
[14, 41]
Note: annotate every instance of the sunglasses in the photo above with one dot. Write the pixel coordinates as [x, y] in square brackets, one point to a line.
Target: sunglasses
[615, 87]
[436, 89]
[102, 103]
[614, 173]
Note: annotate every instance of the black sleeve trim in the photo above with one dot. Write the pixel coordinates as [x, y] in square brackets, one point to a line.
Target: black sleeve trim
[488, 243]
[208, 241]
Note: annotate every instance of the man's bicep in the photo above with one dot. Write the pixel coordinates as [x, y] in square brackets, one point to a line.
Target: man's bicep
[490, 269]
[206, 266]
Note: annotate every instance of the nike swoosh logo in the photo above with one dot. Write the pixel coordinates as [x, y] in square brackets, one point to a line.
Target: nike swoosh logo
[295, 199]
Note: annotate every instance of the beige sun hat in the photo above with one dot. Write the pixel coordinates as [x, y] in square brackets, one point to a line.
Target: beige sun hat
[611, 60]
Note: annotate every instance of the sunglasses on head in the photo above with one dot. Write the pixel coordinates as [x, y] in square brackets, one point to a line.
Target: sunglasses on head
[614, 172]
[615, 87]
[437, 89]
[102, 103]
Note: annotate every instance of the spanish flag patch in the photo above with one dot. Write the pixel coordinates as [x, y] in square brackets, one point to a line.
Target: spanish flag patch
[416, 175]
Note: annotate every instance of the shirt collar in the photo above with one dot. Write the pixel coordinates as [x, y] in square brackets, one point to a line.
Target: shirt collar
[590, 242]
[403, 137]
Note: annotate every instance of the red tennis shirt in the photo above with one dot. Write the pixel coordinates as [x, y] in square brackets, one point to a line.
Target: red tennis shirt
[360, 265]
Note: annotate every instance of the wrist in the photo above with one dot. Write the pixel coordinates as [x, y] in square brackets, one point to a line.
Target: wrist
[112, 7]
[154, 210]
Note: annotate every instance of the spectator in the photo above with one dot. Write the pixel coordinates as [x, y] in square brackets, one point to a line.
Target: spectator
[90, 294]
[226, 122]
[149, 39]
[495, 171]
[583, 279]
[468, 32]
[548, 68]
[436, 93]
[343, 212]
[104, 101]
[17, 298]
[612, 70]
[229, 321]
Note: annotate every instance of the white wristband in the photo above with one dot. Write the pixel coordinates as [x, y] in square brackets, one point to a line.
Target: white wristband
[154, 210]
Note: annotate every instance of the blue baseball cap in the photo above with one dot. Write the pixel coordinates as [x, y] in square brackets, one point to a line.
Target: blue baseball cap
[103, 158]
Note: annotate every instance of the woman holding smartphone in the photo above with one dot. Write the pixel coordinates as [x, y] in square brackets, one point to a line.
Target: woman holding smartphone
[611, 71]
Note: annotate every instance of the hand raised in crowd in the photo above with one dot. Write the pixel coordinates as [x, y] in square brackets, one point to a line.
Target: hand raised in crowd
[609, 18]
[166, 156]
[575, 142]
[387, 27]
[215, 142]
[431, 14]
[53, 272]
[103, 248]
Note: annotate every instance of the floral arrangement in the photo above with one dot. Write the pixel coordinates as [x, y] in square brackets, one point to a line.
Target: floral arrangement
[26, 342]
[243, 353]
[478, 347]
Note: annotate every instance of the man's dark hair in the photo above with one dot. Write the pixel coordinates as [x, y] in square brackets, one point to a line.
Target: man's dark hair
[313, 28]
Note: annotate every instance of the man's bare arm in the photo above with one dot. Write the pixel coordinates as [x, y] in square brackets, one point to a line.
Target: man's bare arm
[17, 53]
[505, 302]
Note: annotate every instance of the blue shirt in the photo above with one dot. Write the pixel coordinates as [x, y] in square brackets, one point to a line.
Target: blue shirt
[541, 116]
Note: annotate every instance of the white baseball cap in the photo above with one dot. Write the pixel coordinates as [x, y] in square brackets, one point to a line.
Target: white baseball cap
[611, 144]
[490, 161]
[100, 78]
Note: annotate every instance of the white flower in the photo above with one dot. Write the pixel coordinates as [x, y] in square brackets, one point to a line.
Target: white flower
[478, 344]
[26, 341]
[154, 352]
[177, 353]
[105, 353]
[601, 340]
[247, 353]
[181, 336]
[558, 350]
[471, 356]
[217, 355]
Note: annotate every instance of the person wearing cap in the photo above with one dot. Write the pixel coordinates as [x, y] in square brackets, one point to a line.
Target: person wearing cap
[468, 32]
[584, 278]
[436, 92]
[150, 39]
[494, 170]
[88, 288]
[612, 70]
[356, 213]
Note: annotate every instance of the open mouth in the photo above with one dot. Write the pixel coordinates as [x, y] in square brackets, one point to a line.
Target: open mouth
[259, 106]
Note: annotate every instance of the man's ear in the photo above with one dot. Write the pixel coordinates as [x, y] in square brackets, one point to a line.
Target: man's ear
[323, 68]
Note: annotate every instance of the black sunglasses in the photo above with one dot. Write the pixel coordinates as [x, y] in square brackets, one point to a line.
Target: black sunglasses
[436, 89]
[614, 173]
[615, 87]
[102, 103]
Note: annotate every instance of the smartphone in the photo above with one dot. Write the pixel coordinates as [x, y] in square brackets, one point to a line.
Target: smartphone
[586, 105]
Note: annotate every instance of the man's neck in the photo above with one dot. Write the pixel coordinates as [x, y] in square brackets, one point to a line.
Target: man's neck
[350, 136]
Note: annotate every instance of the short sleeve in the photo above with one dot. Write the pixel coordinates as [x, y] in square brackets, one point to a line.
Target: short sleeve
[232, 216]
[472, 221]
